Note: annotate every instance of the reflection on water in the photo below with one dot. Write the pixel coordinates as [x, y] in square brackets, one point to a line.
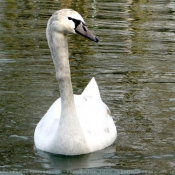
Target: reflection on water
[72, 163]
[133, 64]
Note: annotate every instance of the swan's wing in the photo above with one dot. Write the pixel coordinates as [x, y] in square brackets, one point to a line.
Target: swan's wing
[96, 122]
[92, 90]
[44, 132]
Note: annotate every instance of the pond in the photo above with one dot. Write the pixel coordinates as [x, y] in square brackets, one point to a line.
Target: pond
[133, 64]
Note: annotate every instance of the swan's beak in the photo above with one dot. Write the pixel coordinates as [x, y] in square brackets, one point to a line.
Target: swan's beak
[83, 30]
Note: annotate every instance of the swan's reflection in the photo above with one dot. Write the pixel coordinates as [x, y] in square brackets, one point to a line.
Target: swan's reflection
[96, 159]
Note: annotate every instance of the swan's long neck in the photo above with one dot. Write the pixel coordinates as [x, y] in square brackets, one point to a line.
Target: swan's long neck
[59, 49]
[69, 126]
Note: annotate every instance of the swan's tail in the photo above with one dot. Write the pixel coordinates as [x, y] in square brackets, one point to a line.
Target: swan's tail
[92, 90]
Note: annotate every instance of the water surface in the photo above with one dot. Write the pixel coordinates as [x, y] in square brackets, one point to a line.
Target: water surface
[133, 63]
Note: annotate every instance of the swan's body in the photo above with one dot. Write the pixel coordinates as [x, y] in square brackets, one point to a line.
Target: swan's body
[74, 124]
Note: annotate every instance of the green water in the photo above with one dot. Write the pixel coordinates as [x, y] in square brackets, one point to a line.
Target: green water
[133, 63]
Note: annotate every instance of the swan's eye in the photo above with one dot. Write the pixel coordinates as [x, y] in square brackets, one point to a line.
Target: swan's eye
[76, 21]
[69, 18]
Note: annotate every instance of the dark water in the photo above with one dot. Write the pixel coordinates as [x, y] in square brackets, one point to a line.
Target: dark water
[134, 65]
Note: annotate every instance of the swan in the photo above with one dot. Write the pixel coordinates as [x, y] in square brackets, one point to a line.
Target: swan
[74, 124]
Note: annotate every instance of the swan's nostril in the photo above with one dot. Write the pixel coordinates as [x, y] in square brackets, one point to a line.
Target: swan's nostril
[84, 28]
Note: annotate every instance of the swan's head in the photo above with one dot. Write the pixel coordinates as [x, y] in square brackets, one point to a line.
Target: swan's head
[67, 21]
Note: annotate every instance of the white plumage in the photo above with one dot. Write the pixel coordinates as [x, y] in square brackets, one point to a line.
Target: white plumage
[74, 124]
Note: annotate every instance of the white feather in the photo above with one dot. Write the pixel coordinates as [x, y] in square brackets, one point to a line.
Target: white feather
[74, 124]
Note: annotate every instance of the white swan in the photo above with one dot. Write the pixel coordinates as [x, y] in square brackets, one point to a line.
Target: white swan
[74, 124]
